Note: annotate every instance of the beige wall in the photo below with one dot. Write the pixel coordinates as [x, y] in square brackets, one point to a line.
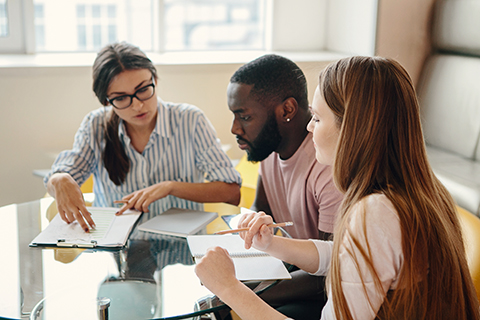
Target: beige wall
[403, 32]
[43, 107]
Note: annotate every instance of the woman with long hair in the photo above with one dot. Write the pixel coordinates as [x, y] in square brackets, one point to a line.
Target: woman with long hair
[151, 154]
[398, 251]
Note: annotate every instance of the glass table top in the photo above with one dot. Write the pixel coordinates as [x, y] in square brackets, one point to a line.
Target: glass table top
[149, 279]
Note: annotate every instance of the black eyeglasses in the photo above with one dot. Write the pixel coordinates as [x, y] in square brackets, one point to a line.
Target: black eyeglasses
[125, 101]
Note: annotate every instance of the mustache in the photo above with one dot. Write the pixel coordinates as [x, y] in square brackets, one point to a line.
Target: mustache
[243, 141]
[240, 140]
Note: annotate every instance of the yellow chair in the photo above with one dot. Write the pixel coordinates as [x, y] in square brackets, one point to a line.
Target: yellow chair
[471, 236]
[87, 186]
[249, 173]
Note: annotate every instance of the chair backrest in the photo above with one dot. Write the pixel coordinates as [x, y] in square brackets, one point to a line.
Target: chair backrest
[249, 172]
[87, 186]
[471, 236]
[449, 90]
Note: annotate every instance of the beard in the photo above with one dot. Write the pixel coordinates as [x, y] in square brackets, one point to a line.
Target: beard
[267, 141]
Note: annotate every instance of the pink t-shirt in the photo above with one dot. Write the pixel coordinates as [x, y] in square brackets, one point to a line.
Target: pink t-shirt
[300, 189]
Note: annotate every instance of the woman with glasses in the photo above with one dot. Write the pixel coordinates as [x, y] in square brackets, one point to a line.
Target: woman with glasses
[150, 154]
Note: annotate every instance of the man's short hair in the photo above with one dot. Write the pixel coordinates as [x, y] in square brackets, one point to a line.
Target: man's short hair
[274, 79]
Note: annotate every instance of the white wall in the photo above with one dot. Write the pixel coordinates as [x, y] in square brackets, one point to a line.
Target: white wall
[299, 25]
[41, 109]
[351, 26]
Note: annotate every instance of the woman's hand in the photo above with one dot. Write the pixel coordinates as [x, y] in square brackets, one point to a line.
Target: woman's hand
[216, 270]
[259, 236]
[141, 199]
[70, 203]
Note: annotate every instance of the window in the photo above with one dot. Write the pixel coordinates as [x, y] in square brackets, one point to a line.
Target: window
[96, 26]
[36, 26]
[88, 25]
[3, 18]
[11, 27]
[40, 27]
[214, 25]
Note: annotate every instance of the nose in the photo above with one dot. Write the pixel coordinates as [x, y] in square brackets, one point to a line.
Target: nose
[310, 126]
[236, 128]
[137, 104]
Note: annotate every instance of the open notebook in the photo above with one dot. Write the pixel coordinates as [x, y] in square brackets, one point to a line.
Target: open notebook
[249, 264]
[111, 231]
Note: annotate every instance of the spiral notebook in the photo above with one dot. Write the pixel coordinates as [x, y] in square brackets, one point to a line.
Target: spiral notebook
[249, 264]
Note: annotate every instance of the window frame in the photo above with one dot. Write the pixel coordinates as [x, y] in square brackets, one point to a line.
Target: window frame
[21, 38]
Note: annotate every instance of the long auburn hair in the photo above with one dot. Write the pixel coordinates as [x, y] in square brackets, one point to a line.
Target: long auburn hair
[381, 150]
[112, 60]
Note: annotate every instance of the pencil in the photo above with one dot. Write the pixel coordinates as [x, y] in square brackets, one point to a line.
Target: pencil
[273, 225]
[120, 201]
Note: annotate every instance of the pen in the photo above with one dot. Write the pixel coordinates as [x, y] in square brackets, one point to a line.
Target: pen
[273, 225]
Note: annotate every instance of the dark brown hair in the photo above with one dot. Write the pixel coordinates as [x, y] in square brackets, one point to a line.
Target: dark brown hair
[110, 62]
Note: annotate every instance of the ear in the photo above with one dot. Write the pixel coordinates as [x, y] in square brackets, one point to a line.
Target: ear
[289, 109]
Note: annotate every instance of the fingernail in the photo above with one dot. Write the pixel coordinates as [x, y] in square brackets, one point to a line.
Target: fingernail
[86, 229]
[117, 213]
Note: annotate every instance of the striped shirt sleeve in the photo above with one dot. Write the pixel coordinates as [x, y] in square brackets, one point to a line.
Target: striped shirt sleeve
[209, 156]
[80, 161]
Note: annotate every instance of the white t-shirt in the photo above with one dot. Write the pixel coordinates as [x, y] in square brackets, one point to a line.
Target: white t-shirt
[384, 238]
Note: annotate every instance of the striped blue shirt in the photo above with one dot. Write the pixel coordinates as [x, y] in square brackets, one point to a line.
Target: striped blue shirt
[182, 147]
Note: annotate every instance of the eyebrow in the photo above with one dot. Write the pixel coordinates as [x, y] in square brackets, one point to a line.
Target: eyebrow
[141, 84]
[313, 113]
[238, 111]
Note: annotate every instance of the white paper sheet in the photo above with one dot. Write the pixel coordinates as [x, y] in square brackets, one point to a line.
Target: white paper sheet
[250, 264]
[110, 231]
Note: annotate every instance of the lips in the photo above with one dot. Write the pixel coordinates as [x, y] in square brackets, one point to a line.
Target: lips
[242, 144]
[141, 115]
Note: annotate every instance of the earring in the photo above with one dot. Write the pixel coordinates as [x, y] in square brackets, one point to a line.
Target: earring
[288, 119]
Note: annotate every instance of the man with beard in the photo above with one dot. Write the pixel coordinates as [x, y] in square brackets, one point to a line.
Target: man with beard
[268, 97]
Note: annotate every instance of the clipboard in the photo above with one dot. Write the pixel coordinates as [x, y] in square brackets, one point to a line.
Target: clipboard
[111, 231]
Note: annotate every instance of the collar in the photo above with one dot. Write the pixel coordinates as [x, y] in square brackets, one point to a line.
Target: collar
[163, 126]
